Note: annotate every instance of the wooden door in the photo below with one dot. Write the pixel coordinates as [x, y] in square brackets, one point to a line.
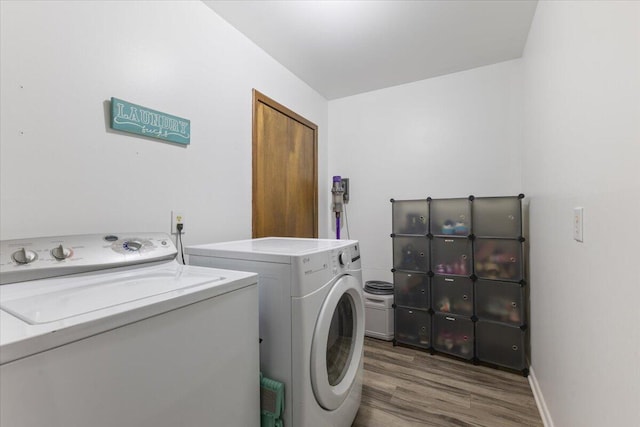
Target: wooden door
[285, 171]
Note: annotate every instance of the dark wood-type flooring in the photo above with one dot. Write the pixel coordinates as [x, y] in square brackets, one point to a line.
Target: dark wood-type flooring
[407, 387]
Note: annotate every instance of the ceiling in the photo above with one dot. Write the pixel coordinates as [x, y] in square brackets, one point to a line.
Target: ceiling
[342, 48]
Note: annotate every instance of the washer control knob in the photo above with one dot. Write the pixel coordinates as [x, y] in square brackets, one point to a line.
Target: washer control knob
[61, 252]
[24, 256]
[343, 258]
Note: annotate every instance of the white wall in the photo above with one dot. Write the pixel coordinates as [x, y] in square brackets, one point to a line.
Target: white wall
[449, 136]
[64, 171]
[582, 148]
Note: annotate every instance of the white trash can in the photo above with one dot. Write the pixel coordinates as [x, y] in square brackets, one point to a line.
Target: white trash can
[378, 310]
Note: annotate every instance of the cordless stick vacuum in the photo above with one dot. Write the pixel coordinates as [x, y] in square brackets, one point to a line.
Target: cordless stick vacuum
[338, 197]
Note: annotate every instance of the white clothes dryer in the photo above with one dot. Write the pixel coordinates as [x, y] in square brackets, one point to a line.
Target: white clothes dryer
[311, 320]
[109, 330]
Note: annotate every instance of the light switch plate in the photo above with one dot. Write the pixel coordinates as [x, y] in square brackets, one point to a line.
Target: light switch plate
[578, 224]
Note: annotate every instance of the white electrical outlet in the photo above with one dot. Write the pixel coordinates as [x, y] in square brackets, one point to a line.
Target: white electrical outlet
[177, 217]
[578, 224]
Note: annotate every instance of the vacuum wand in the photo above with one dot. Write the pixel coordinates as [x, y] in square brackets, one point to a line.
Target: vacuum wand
[338, 197]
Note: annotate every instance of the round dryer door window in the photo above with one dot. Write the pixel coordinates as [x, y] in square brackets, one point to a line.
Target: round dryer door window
[338, 340]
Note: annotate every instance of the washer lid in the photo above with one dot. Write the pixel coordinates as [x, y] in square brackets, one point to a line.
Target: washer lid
[65, 298]
[92, 303]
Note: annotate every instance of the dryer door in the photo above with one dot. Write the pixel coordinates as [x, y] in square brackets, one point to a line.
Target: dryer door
[338, 341]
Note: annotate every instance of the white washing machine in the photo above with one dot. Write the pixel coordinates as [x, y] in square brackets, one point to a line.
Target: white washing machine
[311, 320]
[109, 330]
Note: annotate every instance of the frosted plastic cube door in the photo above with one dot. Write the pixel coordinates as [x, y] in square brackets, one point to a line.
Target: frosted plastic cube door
[410, 217]
[411, 253]
[450, 217]
[498, 259]
[451, 255]
[500, 301]
[500, 344]
[453, 335]
[453, 295]
[413, 327]
[411, 289]
[497, 217]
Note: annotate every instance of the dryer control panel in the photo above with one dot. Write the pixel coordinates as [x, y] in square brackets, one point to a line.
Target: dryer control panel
[38, 258]
[347, 258]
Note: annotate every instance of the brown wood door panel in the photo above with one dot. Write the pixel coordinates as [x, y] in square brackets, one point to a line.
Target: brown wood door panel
[285, 184]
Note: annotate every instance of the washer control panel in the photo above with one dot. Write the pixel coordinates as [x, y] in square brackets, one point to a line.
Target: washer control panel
[347, 258]
[37, 258]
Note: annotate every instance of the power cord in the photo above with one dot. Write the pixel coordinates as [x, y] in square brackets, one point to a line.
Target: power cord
[346, 221]
[179, 227]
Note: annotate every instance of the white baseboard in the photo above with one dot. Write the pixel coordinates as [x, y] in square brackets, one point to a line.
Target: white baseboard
[537, 394]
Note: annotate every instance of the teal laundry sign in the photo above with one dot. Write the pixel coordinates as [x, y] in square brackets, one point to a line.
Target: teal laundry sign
[132, 118]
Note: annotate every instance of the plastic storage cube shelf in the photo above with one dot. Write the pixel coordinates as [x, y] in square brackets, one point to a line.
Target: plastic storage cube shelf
[410, 217]
[500, 301]
[413, 327]
[451, 255]
[450, 217]
[459, 275]
[411, 289]
[498, 259]
[453, 335]
[453, 295]
[411, 253]
[500, 344]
